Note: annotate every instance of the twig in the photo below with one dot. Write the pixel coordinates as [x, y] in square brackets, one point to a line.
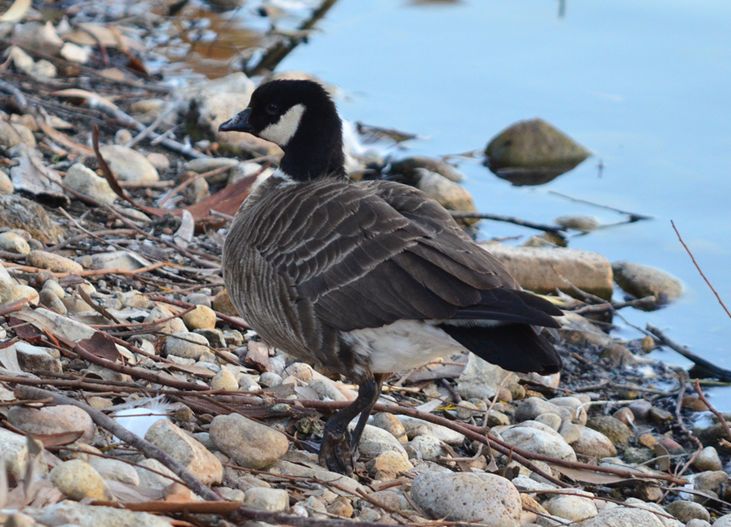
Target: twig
[20, 101]
[109, 424]
[554, 229]
[715, 412]
[697, 266]
[711, 369]
[632, 215]
[12, 307]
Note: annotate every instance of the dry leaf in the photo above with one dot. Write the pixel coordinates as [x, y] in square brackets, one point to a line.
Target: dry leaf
[184, 234]
[59, 439]
[589, 476]
[16, 12]
[9, 359]
[101, 345]
[32, 176]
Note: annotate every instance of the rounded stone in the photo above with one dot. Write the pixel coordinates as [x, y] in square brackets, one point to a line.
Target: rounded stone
[688, 510]
[186, 450]
[617, 432]
[375, 441]
[491, 500]
[53, 262]
[593, 444]
[84, 181]
[187, 344]
[129, 165]
[225, 380]
[201, 317]
[642, 280]
[574, 508]
[266, 499]
[53, 420]
[708, 459]
[426, 447]
[540, 441]
[12, 242]
[78, 480]
[389, 465]
[391, 424]
[247, 442]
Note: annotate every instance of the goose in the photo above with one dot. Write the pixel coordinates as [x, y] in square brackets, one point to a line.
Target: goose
[364, 279]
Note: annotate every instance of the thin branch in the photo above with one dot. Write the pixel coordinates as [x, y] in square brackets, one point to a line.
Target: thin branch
[703, 275]
[708, 367]
[633, 216]
[554, 229]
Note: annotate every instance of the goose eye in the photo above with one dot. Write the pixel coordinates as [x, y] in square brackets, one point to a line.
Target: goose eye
[272, 109]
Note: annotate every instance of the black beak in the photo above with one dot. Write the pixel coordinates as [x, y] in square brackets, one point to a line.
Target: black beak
[238, 123]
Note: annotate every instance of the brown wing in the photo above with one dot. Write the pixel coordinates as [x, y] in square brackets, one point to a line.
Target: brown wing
[369, 254]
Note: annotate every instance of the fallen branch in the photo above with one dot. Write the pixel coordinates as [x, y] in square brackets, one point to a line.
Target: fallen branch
[697, 266]
[111, 426]
[708, 367]
[633, 216]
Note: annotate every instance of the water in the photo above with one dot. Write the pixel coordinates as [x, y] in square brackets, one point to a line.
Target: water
[645, 86]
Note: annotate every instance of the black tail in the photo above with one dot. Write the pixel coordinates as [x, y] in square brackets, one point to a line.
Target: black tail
[515, 347]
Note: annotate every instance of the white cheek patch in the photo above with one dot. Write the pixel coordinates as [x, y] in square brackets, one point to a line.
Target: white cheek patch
[283, 130]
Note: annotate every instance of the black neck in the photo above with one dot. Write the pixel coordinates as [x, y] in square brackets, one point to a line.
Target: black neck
[316, 150]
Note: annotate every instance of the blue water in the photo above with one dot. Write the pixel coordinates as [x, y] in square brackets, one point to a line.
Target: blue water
[643, 85]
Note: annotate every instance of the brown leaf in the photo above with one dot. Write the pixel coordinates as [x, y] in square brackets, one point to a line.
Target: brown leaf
[589, 476]
[59, 439]
[101, 345]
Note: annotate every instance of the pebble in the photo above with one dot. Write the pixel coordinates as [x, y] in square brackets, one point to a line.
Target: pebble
[267, 499]
[642, 280]
[155, 479]
[540, 441]
[723, 521]
[171, 325]
[389, 465]
[341, 506]
[346, 486]
[187, 344]
[13, 134]
[426, 447]
[129, 165]
[85, 181]
[550, 419]
[481, 379]
[52, 302]
[53, 262]
[708, 459]
[617, 432]
[75, 53]
[375, 441]
[13, 453]
[688, 510]
[391, 424]
[573, 508]
[115, 470]
[221, 302]
[12, 242]
[415, 427]
[159, 161]
[491, 500]
[225, 380]
[619, 516]
[53, 420]
[710, 480]
[6, 185]
[202, 317]
[697, 523]
[78, 480]
[69, 513]
[532, 407]
[593, 444]
[249, 443]
[186, 450]
[36, 359]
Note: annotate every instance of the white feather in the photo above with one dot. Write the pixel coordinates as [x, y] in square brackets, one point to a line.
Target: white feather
[400, 346]
[139, 416]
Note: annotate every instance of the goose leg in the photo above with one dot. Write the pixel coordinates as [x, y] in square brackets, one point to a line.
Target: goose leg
[338, 446]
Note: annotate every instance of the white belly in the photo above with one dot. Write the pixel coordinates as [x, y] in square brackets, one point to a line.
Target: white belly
[400, 346]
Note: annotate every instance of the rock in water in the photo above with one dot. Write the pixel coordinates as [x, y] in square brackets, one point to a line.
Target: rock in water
[533, 152]
[491, 500]
[643, 280]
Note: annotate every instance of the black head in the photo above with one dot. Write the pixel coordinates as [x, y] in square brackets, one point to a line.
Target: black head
[300, 117]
